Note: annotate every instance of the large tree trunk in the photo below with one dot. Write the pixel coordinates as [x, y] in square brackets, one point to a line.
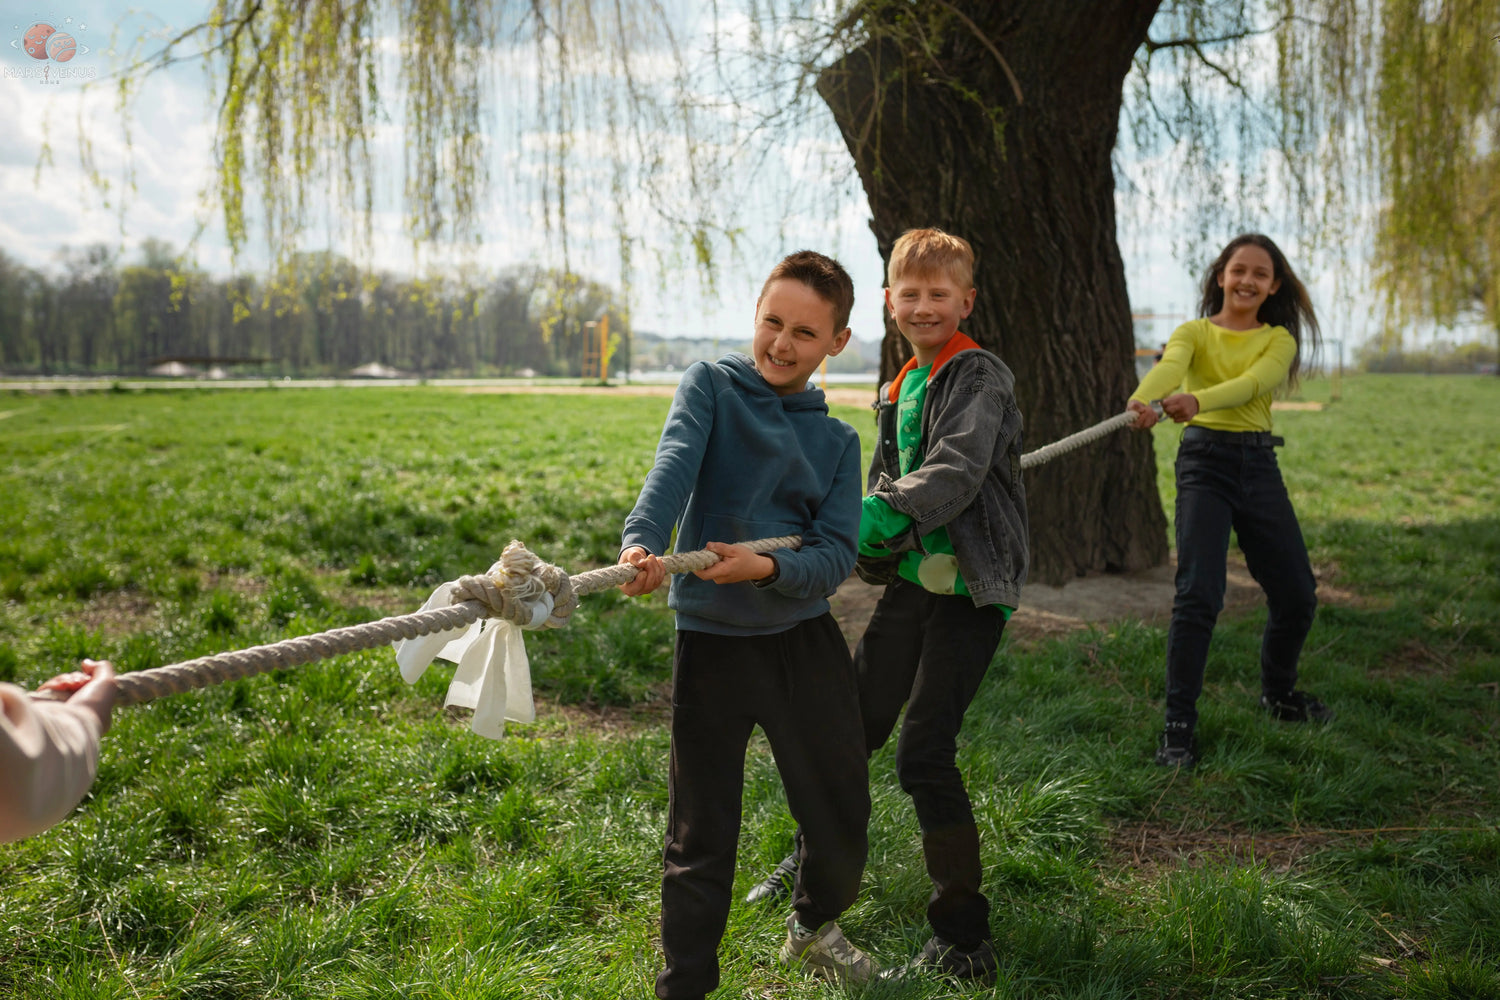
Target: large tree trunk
[939, 139]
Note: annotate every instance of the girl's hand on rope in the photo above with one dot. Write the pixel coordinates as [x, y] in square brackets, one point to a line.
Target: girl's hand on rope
[736, 564]
[651, 574]
[1145, 416]
[1182, 407]
[92, 687]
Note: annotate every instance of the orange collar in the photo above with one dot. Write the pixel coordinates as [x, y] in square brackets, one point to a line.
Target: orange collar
[958, 342]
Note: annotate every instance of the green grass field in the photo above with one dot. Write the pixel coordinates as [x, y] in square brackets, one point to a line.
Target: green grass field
[327, 832]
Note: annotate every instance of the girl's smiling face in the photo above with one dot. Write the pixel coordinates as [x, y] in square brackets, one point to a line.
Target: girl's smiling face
[1248, 279]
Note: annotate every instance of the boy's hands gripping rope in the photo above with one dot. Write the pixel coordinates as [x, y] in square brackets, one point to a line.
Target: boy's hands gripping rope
[651, 574]
[737, 563]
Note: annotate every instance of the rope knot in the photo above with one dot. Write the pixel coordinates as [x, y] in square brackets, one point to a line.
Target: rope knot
[517, 588]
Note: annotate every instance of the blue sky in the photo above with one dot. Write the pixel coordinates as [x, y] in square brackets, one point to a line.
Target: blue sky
[168, 161]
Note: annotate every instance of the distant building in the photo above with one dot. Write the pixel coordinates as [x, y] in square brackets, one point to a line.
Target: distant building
[173, 369]
[374, 369]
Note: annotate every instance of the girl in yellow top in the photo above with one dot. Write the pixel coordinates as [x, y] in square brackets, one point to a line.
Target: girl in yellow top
[1217, 375]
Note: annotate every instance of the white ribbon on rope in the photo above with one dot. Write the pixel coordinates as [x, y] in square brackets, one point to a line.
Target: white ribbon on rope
[493, 676]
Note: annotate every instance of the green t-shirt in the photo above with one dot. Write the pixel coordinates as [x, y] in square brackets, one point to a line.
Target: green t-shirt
[937, 568]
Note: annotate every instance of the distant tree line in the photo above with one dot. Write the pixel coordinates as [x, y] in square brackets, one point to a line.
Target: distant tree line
[1439, 358]
[654, 352]
[318, 314]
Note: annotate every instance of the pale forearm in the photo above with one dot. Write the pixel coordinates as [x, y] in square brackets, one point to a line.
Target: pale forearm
[49, 752]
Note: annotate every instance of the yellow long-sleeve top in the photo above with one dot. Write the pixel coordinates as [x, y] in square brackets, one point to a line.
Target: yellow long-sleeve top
[49, 751]
[1232, 373]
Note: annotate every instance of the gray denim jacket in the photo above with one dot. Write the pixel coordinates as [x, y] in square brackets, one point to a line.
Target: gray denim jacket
[969, 477]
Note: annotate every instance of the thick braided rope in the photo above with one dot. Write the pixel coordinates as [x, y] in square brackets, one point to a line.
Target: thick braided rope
[1048, 452]
[140, 686]
[509, 591]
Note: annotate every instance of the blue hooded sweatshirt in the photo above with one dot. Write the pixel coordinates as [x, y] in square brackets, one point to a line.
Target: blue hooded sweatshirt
[737, 462]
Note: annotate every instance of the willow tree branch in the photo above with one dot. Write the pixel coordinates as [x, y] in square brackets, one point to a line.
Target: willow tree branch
[1015, 85]
[1151, 45]
[166, 56]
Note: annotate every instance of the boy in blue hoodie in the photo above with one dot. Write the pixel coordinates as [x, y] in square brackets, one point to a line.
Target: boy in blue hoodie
[749, 451]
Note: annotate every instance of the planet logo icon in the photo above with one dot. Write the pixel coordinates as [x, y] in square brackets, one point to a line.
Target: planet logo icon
[52, 39]
[35, 41]
[61, 47]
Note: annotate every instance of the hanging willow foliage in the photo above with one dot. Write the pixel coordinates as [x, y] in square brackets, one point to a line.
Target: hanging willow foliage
[1438, 246]
[1246, 115]
[1365, 111]
[596, 97]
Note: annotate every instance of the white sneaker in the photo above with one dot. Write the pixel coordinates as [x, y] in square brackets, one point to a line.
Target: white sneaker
[825, 952]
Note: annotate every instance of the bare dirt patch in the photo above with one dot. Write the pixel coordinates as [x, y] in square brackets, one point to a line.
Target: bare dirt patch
[1413, 659]
[1151, 847]
[1047, 612]
[118, 613]
[850, 397]
[610, 720]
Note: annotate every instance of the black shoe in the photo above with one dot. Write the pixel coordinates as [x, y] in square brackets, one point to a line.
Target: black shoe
[1296, 706]
[1178, 746]
[777, 885]
[949, 959]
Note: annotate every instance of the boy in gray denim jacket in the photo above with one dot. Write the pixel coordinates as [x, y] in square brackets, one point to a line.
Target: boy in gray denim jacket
[944, 528]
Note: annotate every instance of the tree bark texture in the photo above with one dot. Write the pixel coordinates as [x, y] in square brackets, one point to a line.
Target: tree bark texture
[939, 139]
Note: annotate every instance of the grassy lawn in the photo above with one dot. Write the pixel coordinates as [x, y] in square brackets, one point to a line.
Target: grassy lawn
[327, 832]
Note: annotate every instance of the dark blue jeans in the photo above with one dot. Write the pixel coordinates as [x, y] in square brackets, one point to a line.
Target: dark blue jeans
[1224, 482]
[930, 652]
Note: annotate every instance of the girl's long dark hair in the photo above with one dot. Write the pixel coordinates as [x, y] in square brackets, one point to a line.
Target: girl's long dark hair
[1289, 307]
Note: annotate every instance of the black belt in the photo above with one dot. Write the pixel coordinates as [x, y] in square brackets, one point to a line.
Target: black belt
[1245, 439]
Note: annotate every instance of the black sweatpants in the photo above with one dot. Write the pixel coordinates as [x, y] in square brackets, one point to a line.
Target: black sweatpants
[929, 652]
[798, 685]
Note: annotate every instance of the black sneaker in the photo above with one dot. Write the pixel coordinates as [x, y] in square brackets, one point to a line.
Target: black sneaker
[1178, 746]
[1296, 706]
[777, 885]
[949, 959]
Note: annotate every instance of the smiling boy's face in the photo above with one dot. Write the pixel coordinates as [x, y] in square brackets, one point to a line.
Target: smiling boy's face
[794, 332]
[927, 309]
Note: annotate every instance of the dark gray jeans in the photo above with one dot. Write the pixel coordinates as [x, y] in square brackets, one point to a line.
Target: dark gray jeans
[1229, 481]
[929, 652]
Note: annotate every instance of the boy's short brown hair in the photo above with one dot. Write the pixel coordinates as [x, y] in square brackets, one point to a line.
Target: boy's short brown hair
[823, 275]
[932, 251]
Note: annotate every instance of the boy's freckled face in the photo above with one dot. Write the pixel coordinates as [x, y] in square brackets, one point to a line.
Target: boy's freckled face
[927, 309]
[794, 332]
